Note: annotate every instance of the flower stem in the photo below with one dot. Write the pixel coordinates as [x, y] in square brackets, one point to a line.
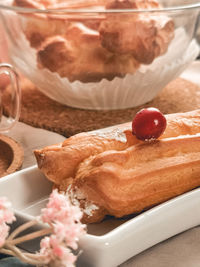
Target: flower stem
[30, 236]
[25, 257]
[21, 228]
[7, 251]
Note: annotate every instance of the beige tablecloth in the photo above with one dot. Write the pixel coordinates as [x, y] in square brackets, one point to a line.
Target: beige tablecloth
[182, 250]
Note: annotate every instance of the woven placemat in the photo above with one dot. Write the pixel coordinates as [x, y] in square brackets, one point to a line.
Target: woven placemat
[40, 111]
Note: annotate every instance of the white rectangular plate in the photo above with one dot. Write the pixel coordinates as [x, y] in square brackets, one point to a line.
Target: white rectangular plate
[113, 241]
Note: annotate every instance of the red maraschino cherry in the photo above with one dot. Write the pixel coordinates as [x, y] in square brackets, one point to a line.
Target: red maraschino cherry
[148, 124]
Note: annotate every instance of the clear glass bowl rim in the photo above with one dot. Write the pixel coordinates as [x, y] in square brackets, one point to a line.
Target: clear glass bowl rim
[84, 10]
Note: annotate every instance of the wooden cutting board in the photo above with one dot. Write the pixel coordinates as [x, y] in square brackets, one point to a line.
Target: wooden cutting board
[40, 111]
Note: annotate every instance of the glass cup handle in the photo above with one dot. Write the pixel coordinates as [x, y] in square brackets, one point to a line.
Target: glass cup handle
[15, 97]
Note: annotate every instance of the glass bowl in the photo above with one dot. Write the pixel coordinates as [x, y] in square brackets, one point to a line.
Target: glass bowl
[101, 54]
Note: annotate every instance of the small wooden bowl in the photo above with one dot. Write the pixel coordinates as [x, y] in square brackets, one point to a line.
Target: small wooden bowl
[11, 155]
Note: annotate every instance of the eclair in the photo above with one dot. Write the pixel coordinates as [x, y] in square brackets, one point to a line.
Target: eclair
[111, 172]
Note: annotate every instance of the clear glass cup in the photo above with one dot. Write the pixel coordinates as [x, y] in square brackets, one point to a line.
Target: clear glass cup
[6, 123]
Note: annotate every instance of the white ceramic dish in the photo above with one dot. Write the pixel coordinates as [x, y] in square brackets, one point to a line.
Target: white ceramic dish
[113, 241]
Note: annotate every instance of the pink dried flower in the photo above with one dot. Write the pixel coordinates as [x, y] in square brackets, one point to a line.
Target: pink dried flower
[65, 228]
[60, 209]
[64, 218]
[55, 252]
[68, 258]
[4, 230]
[45, 249]
[69, 234]
[6, 214]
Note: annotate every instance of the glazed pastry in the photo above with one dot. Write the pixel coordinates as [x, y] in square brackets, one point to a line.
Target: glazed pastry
[144, 36]
[58, 4]
[30, 3]
[65, 56]
[107, 45]
[37, 27]
[112, 173]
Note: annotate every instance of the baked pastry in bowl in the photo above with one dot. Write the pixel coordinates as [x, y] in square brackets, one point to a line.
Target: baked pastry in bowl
[101, 54]
[111, 172]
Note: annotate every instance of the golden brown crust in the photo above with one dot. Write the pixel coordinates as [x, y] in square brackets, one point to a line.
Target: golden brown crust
[39, 26]
[58, 4]
[29, 4]
[80, 56]
[38, 29]
[145, 36]
[60, 162]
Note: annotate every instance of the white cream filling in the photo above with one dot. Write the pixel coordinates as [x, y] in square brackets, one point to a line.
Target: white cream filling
[77, 195]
